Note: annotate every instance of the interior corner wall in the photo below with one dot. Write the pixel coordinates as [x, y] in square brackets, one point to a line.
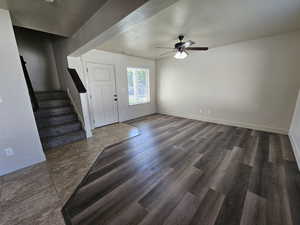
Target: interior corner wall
[120, 63]
[250, 84]
[37, 50]
[294, 132]
[19, 133]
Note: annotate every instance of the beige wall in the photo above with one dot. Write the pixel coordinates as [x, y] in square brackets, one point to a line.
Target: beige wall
[18, 130]
[250, 84]
[3, 4]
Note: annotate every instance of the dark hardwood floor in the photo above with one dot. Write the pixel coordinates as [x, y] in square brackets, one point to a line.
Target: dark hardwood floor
[187, 172]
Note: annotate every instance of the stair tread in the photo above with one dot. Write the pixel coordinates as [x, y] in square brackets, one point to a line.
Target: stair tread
[46, 92]
[61, 125]
[56, 120]
[54, 112]
[70, 134]
[51, 116]
[53, 103]
[55, 116]
[53, 99]
[54, 108]
[58, 107]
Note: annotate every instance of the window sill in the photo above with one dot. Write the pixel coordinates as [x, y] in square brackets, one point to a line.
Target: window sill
[144, 103]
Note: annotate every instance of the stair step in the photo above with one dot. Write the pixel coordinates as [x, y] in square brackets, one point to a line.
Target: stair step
[56, 120]
[51, 142]
[54, 103]
[54, 111]
[49, 95]
[60, 129]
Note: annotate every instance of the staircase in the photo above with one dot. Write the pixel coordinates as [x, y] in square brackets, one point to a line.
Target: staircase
[56, 119]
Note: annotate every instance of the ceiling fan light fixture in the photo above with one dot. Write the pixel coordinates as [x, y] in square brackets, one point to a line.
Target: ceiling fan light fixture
[180, 55]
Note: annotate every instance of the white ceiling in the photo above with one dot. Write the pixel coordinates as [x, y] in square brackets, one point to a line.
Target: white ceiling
[62, 17]
[209, 23]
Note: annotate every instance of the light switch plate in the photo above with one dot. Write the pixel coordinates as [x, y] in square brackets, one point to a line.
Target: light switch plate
[9, 152]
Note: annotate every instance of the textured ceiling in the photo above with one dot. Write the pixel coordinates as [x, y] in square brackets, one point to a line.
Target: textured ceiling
[62, 17]
[208, 22]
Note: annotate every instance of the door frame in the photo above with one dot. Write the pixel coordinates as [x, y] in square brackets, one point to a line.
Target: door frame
[89, 90]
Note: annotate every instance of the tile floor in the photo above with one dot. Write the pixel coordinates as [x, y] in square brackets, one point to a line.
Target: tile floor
[35, 195]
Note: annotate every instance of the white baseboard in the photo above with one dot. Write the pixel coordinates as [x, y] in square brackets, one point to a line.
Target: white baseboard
[296, 149]
[229, 123]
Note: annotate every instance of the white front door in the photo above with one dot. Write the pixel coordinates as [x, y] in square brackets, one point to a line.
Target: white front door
[103, 98]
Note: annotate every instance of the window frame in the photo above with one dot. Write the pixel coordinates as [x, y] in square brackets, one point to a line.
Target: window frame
[147, 82]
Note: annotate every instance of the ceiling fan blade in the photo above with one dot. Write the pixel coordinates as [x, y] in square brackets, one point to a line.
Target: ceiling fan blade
[164, 47]
[166, 53]
[188, 44]
[197, 48]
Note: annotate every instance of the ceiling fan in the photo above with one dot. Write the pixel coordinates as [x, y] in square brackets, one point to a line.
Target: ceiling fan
[181, 48]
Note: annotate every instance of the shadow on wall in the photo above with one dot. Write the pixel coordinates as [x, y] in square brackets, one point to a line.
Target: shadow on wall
[36, 48]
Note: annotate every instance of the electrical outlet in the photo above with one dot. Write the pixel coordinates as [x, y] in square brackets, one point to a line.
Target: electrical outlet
[201, 111]
[9, 152]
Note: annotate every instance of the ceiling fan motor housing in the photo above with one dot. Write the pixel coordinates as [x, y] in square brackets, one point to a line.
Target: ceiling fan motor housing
[181, 37]
[179, 45]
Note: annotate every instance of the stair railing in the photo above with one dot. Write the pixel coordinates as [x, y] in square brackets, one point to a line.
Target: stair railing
[80, 93]
[77, 81]
[33, 98]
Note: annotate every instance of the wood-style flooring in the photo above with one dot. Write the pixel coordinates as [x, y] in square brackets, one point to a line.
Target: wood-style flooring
[187, 172]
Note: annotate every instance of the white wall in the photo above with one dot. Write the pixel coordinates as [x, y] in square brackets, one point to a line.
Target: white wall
[294, 132]
[120, 63]
[37, 50]
[17, 125]
[79, 100]
[250, 84]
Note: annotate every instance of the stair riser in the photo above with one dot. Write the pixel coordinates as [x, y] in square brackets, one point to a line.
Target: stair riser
[55, 142]
[54, 121]
[54, 112]
[51, 95]
[56, 131]
[54, 103]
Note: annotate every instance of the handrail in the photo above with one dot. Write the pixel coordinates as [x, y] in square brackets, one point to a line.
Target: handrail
[33, 98]
[77, 81]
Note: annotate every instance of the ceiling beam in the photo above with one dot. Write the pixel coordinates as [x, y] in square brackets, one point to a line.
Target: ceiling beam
[114, 18]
